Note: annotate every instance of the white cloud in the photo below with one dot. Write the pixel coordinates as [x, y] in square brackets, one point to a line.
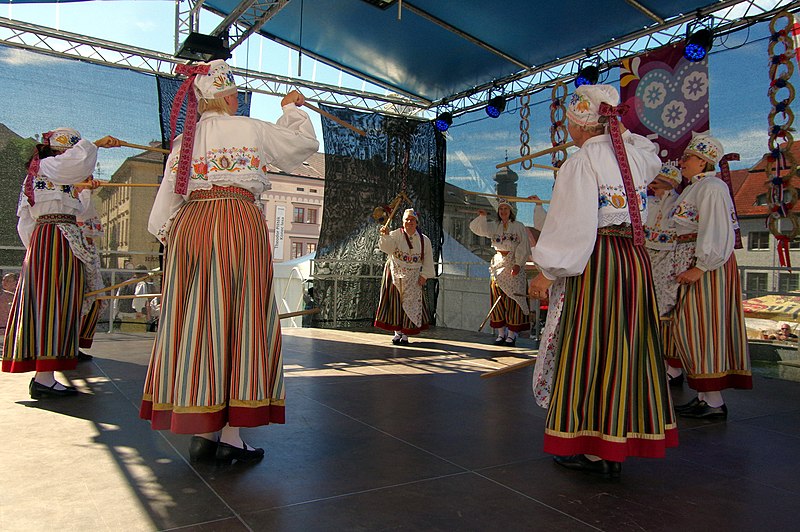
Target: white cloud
[17, 57]
[751, 144]
[146, 26]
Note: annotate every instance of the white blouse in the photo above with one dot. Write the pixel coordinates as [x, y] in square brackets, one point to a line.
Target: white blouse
[234, 151]
[53, 188]
[657, 233]
[512, 238]
[705, 207]
[408, 258]
[589, 194]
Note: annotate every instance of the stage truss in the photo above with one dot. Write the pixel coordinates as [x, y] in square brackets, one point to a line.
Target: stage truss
[727, 16]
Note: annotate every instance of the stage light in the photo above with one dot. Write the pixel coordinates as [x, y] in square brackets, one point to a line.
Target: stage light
[698, 45]
[199, 47]
[587, 75]
[496, 106]
[443, 121]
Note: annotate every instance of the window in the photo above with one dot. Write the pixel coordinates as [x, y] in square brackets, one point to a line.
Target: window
[794, 244]
[299, 215]
[312, 247]
[756, 284]
[758, 240]
[761, 199]
[301, 189]
[788, 282]
[313, 190]
[458, 228]
[311, 216]
[297, 250]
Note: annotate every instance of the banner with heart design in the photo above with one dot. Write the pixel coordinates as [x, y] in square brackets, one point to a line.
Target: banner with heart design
[668, 98]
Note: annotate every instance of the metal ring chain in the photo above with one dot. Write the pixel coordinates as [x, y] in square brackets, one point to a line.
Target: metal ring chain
[524, 136]
[558, 127]
[782, 196]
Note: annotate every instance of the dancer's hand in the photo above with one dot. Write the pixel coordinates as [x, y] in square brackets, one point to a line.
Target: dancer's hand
[108, 142]
[421, 281]
[384, 230]
[538, 287]
[293, 97]
[690, 276]
[515, 270]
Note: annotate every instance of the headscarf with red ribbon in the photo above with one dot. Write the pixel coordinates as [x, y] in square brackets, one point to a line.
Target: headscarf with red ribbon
[186, 91]
[612, 112]
[33, 170]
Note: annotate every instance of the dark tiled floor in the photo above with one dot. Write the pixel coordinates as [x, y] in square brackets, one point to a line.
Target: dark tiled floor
[382, 438]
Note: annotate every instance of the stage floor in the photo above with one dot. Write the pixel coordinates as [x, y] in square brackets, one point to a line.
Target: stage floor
[381, 438]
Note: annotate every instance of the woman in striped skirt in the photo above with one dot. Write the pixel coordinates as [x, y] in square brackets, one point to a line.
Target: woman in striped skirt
[42, 330]
[607, 391]
[707, 325]
[402, 307]
[510, 313]
[216, 364]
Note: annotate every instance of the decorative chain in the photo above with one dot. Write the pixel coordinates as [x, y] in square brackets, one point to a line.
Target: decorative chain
[781, 165]
[524, 136]
[558, 127]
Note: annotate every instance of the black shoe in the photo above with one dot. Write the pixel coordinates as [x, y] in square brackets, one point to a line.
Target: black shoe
[703, 411]
[675, 382]
[579, 462]
[84, 357]
[228, 453]
[202, 449]
[38, 391]
[500, 340]
[404, 341]
[687, 406]
[396, 340]
[510, 342]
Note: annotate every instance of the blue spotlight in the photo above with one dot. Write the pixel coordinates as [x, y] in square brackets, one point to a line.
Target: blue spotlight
[443, 121]
[496, 106]
[587, 75]
[698, 45]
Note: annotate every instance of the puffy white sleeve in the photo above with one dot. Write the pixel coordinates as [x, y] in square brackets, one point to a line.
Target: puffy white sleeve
[715, 233]
[73, 166]
[539, 216]
[291, 140]
[428, 270]
[570, 230]
[26, 223]
[523, 251]
[387, 243]
[480, 226]
[167, 202]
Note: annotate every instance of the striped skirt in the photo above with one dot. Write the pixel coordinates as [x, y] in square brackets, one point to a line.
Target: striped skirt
[217, 354]
[42, 330]
[610, 395]
[709, 331]
[89, 325]
[507, 313]
[390, 315]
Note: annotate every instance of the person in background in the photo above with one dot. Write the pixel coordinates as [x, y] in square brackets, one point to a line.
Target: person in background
[409, 264]
[43, 326]
[600, 370]
[707, 326]
[510, 315]
[216, 364]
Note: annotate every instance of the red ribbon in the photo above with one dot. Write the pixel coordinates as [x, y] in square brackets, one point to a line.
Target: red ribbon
[33, 170]
[624, 168]
[725, 173]
[784, 258]
[186, 91]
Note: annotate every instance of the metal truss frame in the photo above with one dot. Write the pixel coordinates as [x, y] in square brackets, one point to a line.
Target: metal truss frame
[249, 16]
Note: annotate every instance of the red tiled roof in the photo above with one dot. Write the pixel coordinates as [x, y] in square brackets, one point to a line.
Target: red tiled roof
[749, 184]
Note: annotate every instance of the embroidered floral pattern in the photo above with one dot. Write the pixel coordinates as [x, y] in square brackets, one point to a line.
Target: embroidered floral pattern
[45, 184]
[614, 196]
[232, 160]
[505, 237]
[685, 211]
[408, 257]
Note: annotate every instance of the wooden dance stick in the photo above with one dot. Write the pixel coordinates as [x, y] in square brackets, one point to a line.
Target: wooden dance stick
[143, 147]
[336, 119]
[490, 313]
[123, 283]
[535, 155]
[509, 198]
[509, 369]
[299, 313]
[396, 202]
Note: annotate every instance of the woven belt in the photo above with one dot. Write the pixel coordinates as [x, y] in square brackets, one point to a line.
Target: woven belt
[57, 219]
[682, 239]
[624, 231]
[222, 193]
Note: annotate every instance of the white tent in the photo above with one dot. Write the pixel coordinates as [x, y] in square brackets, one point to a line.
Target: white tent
[288, 284]
[458, 260]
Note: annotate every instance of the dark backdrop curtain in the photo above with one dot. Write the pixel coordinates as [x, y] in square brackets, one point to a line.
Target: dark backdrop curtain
[362, 173]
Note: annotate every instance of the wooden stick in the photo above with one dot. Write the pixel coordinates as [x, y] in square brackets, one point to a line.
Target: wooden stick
[336, 119]
[537, 154]
[509, 198]
[299, 313]
[123, 283]
[545, 166]
[509, 369]
[396, 202]
[490, 313]
[143, 147]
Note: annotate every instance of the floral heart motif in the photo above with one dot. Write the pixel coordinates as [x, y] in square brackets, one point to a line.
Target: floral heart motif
[672, 103]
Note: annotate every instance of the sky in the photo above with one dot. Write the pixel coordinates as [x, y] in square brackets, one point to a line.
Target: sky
[737, 69]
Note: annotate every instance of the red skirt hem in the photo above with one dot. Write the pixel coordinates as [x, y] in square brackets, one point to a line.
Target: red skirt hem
[613, 451]
[211, 422]
[85, 343]
[739, 382]
[22, 366]
[407, 332]
[522, 327]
